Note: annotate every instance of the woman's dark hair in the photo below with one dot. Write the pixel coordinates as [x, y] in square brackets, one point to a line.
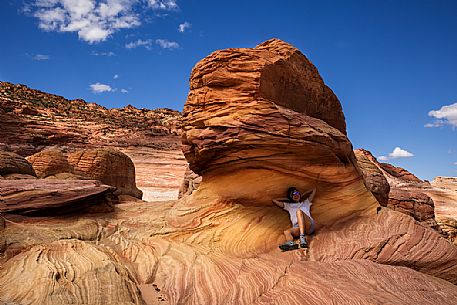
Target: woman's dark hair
[290, 191]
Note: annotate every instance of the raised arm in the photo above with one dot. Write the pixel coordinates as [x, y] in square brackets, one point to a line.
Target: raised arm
[311, 197]
[279, 202]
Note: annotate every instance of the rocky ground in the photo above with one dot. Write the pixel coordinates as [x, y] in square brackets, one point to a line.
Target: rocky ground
[256, 122]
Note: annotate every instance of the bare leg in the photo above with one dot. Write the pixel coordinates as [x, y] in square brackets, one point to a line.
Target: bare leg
[304, 222]
[290, 233]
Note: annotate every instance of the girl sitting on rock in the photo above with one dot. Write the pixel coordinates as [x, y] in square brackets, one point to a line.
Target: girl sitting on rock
[298, 206]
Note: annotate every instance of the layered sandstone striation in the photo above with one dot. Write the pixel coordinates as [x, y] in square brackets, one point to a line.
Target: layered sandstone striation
[398, 189]
[109, 166]
[11, 163]
[218, 245]
[49, 163]
[50, 197]
[373, 176]
[32, 120]
[259, 120]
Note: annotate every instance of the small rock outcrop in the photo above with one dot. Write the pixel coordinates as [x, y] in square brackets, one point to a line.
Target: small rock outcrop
[373, 176]
[11, 163]
[109, 166]
[52, 197]
[50, 162]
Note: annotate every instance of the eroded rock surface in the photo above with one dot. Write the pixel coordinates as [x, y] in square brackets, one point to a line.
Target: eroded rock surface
[50, 162]
[219, 244]
[109, 166]
[11, 163]
[50, 197]
[373, 176]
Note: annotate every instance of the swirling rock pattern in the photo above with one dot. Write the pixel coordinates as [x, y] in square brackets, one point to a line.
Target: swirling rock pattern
[256, 123]
[110, 166]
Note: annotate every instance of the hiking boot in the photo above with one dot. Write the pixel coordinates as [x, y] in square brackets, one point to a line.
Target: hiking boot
[303, 244]
[287, 246]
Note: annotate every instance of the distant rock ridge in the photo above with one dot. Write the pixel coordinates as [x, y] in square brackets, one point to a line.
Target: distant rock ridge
[32, 119]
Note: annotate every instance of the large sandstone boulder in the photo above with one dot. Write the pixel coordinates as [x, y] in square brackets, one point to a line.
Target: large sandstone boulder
[110, 166]
[49, 162]
[11, 163]
[260, 120]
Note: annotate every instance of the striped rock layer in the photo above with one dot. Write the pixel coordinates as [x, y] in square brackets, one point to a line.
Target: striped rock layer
[256, 121]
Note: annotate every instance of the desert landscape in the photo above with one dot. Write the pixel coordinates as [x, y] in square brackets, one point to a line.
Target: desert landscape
[137, 206]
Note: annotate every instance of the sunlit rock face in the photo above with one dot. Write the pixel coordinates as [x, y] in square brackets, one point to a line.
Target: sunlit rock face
[260, 120]
[110, 166]
[219, 245]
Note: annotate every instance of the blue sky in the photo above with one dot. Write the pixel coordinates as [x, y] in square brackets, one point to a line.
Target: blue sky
[392, 64]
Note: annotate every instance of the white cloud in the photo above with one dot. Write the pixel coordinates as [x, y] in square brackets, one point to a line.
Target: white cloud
[166, 44]
[40, 57]
[166, 5]
[139, 43]
[396, 154]
[109, 54]
[184, 26]
[446, 115]
[93, 20]
[100, 88]
[116, 76]
[124, 91]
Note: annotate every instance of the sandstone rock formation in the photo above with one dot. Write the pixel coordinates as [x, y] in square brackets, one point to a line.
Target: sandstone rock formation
[404, 192]
[11, 163]
[444, 194]
[190, 183]
[50, 162]
[32, 119]
[50, 197]
[373, 176]
[250, 134]
[109, 166]
[259, 120]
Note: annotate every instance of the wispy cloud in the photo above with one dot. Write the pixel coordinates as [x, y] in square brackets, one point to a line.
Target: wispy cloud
[109, 54]
[184, 26]
[93, 20]
[396, 154]
[139, 43]
[116, 76]
[166, 5]
[124, 91]
[446, 115]
[100, 88]
[167, 44]
[39, 57]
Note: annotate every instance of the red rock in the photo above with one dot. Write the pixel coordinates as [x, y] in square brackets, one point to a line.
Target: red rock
[11, 163]
[373, 176]
[50, 197]
[49, 162]
[110, 166]
[258, 121]
[399, 172]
